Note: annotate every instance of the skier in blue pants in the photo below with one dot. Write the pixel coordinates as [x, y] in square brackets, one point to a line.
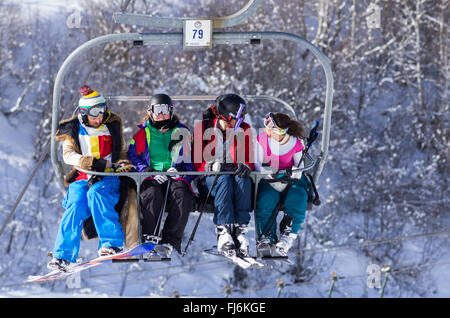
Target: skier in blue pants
[80, 203]
[231, 192]
[240, 201]
[92, 140]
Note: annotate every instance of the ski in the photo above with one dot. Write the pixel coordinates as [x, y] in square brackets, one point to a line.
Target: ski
[277, 260]
[234, 258]
[71, 269]
[281, 255]
[240, 260]
[268, 252]
[255, 263]
[157, 255]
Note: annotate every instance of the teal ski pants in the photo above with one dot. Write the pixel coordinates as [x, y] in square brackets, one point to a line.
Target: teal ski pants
[294, 205]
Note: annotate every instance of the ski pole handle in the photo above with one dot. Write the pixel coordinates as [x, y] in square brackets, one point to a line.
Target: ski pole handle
[313, 133]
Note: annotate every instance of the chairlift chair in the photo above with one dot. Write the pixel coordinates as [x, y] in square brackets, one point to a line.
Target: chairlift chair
[179, 39]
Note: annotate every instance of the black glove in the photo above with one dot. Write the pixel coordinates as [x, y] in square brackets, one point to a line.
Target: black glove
[99, 164]
[243, 171]
[149, 169]
[93, 180]
[288, 172]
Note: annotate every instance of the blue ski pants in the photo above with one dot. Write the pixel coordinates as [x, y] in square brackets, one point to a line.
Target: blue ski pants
[80, 203]
[232, 199]
[295, 206]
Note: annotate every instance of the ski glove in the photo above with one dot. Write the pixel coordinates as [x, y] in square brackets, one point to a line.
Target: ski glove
[266, 171]
[213, 166]
[297, 174]
[99, 164]
[279, 186]
[93, 180]
[217, 166]
[243, 171]
[123, 167]
[173, 170]
[160, 178]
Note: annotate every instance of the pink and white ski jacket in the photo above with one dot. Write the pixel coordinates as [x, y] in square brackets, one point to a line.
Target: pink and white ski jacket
[278, 155]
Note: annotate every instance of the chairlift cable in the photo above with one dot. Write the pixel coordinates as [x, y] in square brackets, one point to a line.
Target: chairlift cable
[368, 243]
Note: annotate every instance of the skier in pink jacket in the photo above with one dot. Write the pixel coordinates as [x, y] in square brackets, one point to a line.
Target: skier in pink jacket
[280, 147]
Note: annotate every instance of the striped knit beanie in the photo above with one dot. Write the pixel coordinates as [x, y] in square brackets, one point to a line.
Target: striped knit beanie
[89, 97]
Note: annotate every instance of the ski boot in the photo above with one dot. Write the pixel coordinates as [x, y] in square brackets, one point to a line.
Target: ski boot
[285, 243]
[147, 238]
[58, 264]
[225, 242]
[241, 241]
[164, 250]
[109, 251]
[264, 247]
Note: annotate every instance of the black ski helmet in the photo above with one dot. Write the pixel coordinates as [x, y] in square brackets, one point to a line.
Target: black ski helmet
[229, 105]
[160, 99]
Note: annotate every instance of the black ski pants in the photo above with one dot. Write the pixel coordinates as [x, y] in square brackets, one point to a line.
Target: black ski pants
[180, 201]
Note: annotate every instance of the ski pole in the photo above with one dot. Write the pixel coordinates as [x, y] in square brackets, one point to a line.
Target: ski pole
[191, 239]
[158, 227]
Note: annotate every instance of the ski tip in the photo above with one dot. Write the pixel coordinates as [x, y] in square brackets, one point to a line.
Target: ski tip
[42, 278]
[31, 279]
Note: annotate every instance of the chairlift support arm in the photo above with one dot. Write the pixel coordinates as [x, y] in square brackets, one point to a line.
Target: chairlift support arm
[177, 23]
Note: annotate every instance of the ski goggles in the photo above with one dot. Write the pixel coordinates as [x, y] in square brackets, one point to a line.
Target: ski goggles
[269, 122]
[93, 111]
[239, 116]
[157, 109]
